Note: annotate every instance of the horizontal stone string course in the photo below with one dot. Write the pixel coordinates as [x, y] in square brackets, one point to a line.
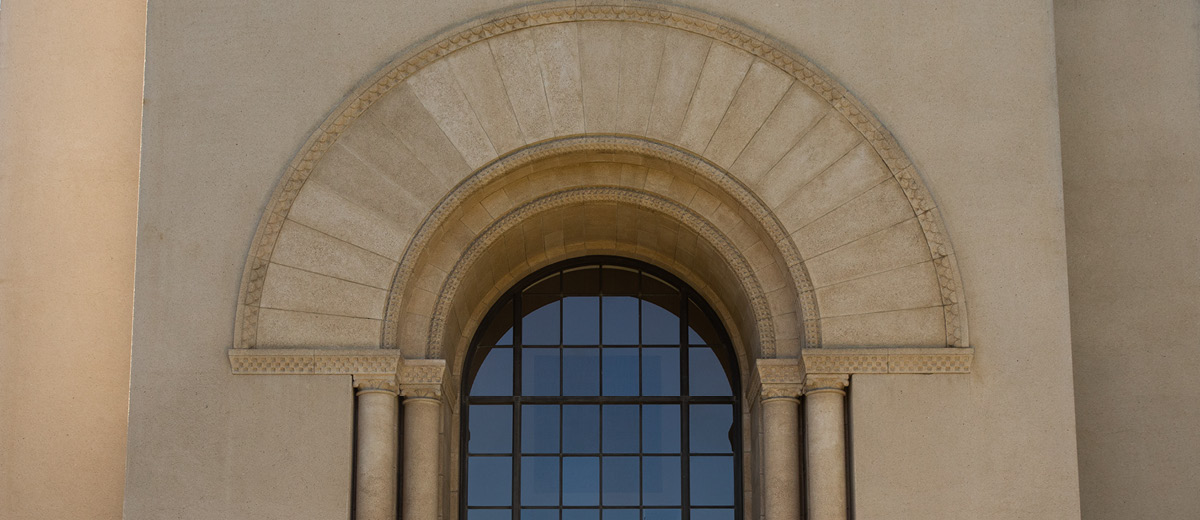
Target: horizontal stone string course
[889, 361]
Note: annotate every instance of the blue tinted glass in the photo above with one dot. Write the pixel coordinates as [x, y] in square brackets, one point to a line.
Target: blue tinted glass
[709, 428]
[540, 324]
[581, 428]
[712, 514]
[661, 514]
[620, 428]
[660, 481]
[539, 481]
[620, 475]
[581, 371]
[489, 514]
[489, 481]
[700, 329]
[539, 371]
[495, 373]
[581, 481]
[581, 514]
[620, 320]
[620, 371]
[705, 374]
[581, 320]
[490, 428]
[660, 371]
[711, 480]
[660, 428]
[539, 428]
[539, 514]
[660, 320]
[622, 514]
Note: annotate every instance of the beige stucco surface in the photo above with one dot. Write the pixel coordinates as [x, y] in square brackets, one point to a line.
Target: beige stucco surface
[70, 115]
[1129, 84]
[234, 89]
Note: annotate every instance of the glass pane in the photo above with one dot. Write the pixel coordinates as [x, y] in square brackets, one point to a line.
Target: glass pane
[700, 329]
[660, 428]
[660, 320]
[705, 374]
[489, 514]
[581, 428]
[539, 514]
[620, 475]
[500, 329]
[661, 481]
[622, 514]
[620, 428]
[660, 371]
[620, 320]
[540, 324]
[620, 371]
[711, 481]
[581, 481]
[661, 514]
[551, 284]
[490, 429]
[712, 514]
[582, 280]
[539, 371]
[581, 514]
[710, 428]
[581, 371]
[619, 281]
[654, 285]
[581, 320]
[539, 428]
[494, 375]
[489, 481]
[539, 481]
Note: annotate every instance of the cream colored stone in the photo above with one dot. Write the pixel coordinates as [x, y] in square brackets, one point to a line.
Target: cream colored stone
[755, 100]
[376, 451]
[422, 418]
[516, 57]
[825, 443]
[910, 287]
[293, 289]
[378, 146]
[852, 175]
[781, 468]
[438, 90]
[642, 48]
[293, 329]
[600, 56]
[878, 208]
[683, 59]
[724, 70]
[905, 328]
[305, 248]
[345, 173]
[558, 50]
[795, 115]
[404, 113]
[896, 246]
[820, 147]
[476, 73]
[323, 209]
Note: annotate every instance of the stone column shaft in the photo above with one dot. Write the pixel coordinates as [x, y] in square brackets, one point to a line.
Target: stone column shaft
[376, 449]
[825, 425]
[779, 383]
[421, 385]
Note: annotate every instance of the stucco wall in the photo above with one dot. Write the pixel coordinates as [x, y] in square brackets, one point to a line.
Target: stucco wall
[70, 114]
[1129, 89]
[233, 89]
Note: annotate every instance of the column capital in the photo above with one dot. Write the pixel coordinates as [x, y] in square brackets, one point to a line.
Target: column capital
[779, 378]
[422, 378]
[817, 383]
[365, 383]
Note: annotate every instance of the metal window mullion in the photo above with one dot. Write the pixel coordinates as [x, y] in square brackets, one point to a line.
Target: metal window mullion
[685, 485]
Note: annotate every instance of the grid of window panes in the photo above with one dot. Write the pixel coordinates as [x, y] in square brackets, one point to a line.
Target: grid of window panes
[601, 392]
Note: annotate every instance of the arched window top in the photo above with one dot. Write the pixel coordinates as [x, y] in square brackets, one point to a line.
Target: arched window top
[601, 388]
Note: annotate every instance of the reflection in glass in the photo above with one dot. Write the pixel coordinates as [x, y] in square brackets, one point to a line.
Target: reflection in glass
[490, 429]
[582, 280]
[540, 324]
[539, 481]
[539, 371]
[660, 320]
[581, 371]
[654, 285]
[700, 329]
[620, 315]
[539, 514]
[539, 428]
[619, 280]
[660, 428]
[662, 514]
[489, 481]
[621, 514]
[712, 514]
[709, 428]
[581, 481]
[710, 482]
[620, 428]
[706, 376]
[619, 371]
[581, 514]
[661, 481]
[660, 371]
[581, 428]
[494, 375]
[581, 320]
[620, 476]
[489, 514]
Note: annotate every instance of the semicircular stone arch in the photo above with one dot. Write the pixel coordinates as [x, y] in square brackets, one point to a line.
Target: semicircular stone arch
[870, 248]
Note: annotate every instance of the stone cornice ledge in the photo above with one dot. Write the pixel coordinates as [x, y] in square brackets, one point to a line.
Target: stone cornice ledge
[888, 360]
[315, 361]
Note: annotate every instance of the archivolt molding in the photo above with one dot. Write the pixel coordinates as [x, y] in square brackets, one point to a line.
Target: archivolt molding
[747, 279]
[609, 144]
[883, 143]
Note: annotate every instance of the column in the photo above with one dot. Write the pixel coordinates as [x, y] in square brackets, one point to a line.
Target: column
[421, 385]
[376, 448]
[825, 424]
[779, 383]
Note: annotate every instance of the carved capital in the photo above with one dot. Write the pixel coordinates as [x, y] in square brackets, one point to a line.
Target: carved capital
[365, 383]
[777, 379]
[422, 378]
[818, 383]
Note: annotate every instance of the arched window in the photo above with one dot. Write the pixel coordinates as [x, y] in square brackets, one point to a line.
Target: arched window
[601, 389]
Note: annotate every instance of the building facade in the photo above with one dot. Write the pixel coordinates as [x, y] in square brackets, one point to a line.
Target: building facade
[335, 202]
